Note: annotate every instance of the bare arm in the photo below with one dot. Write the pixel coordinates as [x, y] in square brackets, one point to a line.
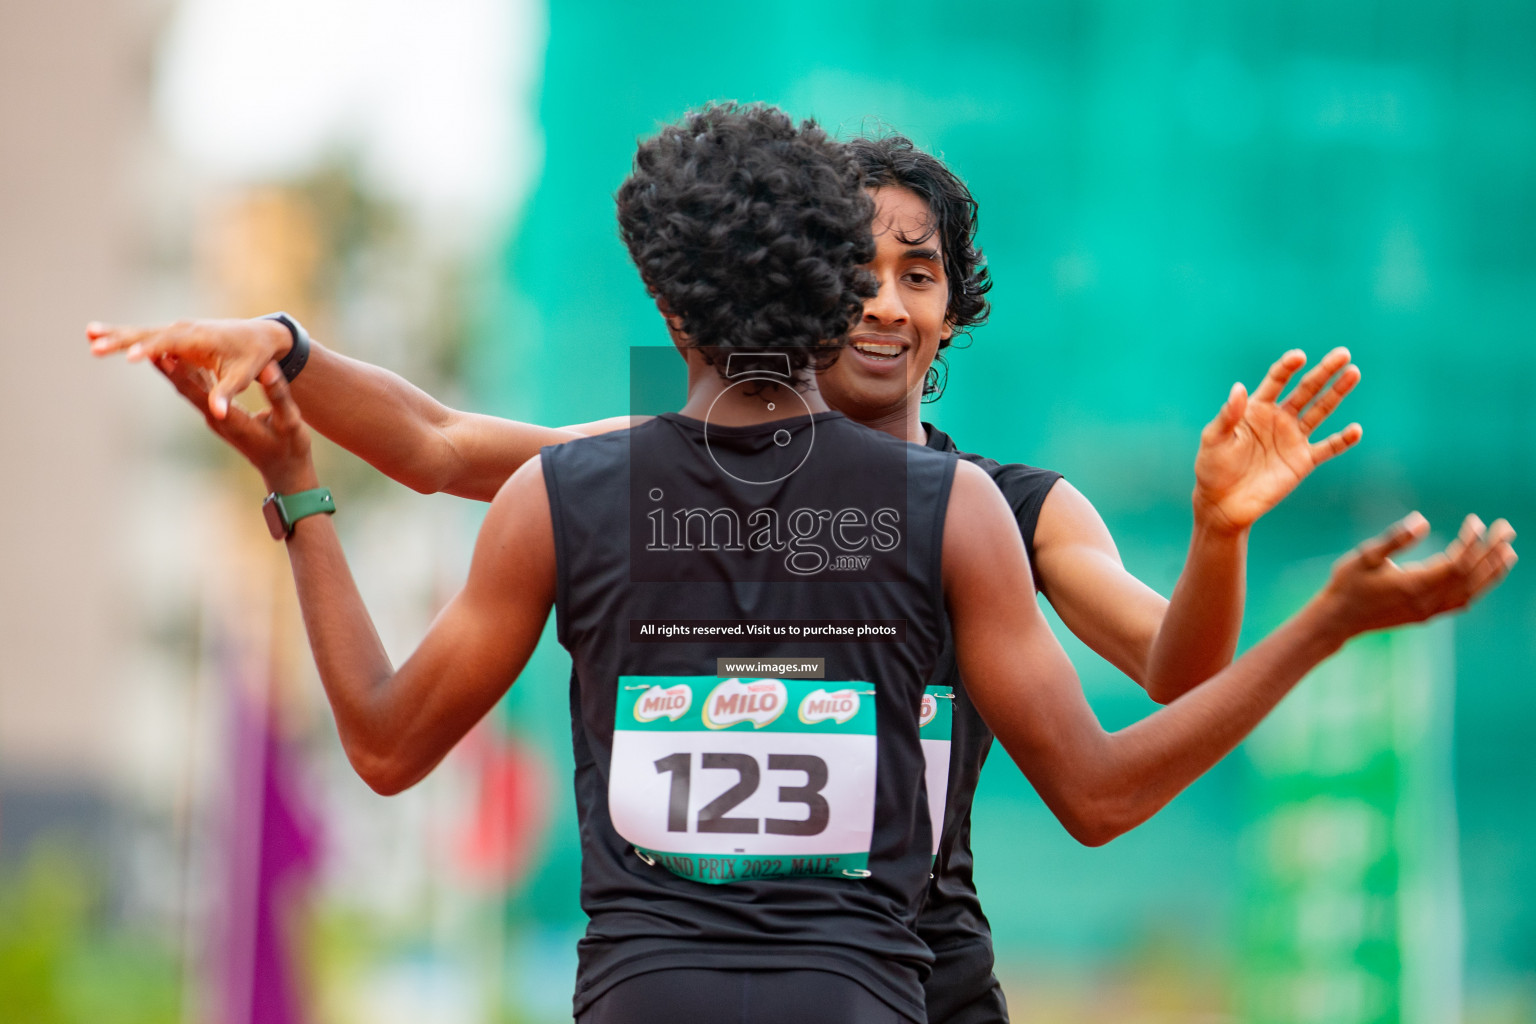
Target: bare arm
[1081, 574]
[1102, 784]
[408, 435]
[1165, 646]
[1254, 453]
[377, 415]
[396, 725]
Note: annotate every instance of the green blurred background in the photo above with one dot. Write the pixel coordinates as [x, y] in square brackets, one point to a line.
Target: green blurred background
[1171, 195]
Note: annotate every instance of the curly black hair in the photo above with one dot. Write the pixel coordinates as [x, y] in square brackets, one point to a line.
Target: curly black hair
[892, 160]
[752, 230]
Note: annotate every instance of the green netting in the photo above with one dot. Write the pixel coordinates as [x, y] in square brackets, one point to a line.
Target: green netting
[1172, 194]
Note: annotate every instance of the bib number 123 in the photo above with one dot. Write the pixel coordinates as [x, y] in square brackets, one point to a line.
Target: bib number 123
[730, 780]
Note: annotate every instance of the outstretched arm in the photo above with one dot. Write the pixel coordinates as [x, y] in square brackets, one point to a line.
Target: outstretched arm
[1254, 453]
[377, 415]
[1102, 784]
[396, 725]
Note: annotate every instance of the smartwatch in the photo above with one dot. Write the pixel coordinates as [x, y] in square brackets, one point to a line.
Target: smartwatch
[283, 510]
[298, 352]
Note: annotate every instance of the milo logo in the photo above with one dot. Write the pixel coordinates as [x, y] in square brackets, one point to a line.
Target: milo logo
[929, 708]
[820, 706]
[733, 701]
[672, 702]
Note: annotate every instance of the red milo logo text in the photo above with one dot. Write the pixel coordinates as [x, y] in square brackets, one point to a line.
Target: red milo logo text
[820, 706]
[672, 703]
[734, 701]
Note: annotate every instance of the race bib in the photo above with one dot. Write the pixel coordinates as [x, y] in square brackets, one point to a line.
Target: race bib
[935, 723]
[725, 780]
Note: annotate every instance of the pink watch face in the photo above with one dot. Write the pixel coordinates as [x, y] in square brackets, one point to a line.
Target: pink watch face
[274, 517]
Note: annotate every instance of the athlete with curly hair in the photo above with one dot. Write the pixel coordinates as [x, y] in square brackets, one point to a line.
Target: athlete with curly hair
[730, 192]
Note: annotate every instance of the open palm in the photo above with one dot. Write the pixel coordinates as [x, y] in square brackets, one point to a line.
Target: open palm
[1371, 591]
[1257, 450]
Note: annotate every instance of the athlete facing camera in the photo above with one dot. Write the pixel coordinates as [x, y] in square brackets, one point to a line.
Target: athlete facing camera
[562, 531]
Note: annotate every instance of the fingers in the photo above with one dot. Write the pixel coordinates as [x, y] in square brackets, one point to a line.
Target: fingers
[1229, 416]
[1472, 530]
[1404, 533]
[1469, 577]
[173, 339]
[1274, 382]
[1313, 380]
[1474, 563]
[1474, 540]
[1336, 444]
[1500, 558]
[190, 381]
[1329, 400]
[234, 379]
[285, 411]
[1490, 572]
[106, 339]
[236, 349]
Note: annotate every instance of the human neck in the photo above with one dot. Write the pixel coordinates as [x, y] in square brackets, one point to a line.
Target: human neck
[903, 422]
[720, 401]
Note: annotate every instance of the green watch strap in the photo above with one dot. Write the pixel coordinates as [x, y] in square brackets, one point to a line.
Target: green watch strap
[306, 503]
[283, 510]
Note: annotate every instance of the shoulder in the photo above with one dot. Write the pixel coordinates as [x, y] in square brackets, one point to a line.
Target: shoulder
[1024, 486]
[1067, 517]
[514, 565]
[919, 455]
[973, 490]
[979, 527]
[520, 522]
[1021, 483]
[524, 488]
[593, 450]
[612, 423]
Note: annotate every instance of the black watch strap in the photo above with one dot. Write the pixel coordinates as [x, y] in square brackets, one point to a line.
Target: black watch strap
[298, 353]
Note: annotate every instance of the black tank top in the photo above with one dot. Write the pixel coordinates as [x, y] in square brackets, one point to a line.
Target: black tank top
[810, 528]
[952, 922]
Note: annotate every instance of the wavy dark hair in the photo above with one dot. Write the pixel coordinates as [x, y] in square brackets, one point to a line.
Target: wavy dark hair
[891, 160]
[752, 230]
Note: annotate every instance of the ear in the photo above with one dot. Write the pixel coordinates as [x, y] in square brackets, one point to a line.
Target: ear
[948, 331]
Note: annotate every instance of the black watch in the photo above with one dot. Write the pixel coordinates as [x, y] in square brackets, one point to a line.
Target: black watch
[298, 353]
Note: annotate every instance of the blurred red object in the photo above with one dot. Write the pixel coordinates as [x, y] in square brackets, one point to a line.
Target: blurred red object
[510, 811]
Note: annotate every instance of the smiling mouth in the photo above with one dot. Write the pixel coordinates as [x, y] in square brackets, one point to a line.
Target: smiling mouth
[879, 351]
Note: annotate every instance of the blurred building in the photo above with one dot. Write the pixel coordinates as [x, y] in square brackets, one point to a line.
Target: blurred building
[74, 88]
[166, 757]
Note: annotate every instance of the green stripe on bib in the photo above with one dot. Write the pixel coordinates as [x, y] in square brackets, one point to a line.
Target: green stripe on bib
[687, 703]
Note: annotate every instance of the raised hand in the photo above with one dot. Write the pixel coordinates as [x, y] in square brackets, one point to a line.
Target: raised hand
[234, 351]
[1256, 450]
[1368, 590]
[274, 440]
